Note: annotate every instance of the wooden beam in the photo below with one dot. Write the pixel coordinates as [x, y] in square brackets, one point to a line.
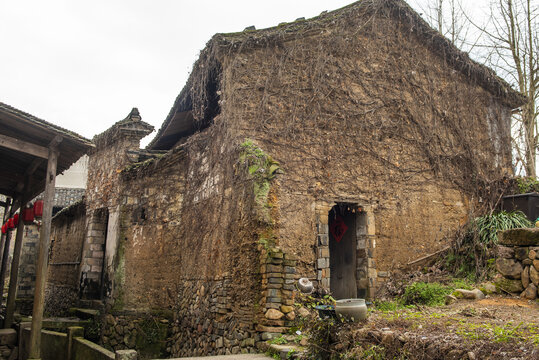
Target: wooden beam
[41, 268]
[29, 171]
[24, 146]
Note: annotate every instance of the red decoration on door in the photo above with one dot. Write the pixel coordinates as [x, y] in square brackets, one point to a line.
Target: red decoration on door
[338, 228]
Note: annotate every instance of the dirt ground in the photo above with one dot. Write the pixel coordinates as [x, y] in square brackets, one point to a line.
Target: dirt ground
[493, 328]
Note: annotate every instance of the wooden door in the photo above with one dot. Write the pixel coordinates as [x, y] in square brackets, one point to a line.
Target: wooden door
[342, 252]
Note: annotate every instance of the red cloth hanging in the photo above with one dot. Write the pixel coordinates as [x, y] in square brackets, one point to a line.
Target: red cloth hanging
[338, 228]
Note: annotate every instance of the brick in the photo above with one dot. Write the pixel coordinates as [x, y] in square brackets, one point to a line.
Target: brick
[94, 261]
[289, 270]
[98, 254]
[321, 263]
[323, 240]
[323, 252]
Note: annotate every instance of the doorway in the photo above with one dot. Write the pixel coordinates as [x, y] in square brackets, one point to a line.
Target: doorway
[342, 220]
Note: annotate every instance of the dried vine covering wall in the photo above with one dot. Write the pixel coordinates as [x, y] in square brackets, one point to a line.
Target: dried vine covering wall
[363, 109]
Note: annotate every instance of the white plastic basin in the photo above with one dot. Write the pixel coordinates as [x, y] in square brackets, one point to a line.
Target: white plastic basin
[353, 309]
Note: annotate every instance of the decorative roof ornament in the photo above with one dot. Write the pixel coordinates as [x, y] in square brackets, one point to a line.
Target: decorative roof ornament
[134, 115]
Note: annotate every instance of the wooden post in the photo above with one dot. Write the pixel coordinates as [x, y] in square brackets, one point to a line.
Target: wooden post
[6, 216]
[13, 277]
[41, 268]
[5, 257]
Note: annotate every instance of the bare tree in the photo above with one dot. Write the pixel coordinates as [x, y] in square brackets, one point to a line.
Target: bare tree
[513, 43]
[508, 42]
[448, 17]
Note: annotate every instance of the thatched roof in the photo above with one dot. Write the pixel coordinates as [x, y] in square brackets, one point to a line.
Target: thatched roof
[187, 113]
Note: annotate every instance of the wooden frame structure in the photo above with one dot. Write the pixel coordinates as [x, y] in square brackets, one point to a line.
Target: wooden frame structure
[32, 153]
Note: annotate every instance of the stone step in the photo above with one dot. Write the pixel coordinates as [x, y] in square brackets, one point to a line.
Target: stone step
[286, 351]
[84, 314]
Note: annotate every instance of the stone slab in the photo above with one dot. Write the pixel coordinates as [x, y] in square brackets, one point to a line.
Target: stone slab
[519, 237]
[8, 337]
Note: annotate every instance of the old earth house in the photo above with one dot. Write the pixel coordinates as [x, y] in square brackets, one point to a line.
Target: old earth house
[338, 148]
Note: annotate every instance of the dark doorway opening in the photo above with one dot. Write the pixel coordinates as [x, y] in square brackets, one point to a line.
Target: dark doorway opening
[342, 250]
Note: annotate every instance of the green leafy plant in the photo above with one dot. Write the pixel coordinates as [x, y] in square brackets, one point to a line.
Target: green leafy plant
[471, 256]
[374, 352]
[421, 293]
[278, 340]
[486, 227]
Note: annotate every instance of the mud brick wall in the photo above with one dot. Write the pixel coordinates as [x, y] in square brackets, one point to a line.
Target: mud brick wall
[68, 234]
[187, 242]
[518, 262]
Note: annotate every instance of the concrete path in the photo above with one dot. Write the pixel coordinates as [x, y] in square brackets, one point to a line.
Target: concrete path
[230, 357]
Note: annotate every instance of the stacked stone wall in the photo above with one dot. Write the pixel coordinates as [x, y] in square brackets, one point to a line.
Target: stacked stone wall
[518, 262]
[27, 269]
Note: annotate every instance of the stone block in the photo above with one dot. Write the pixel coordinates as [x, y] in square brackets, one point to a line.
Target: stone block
[270, 268]
[530, 292]
[98, 254]
[508, 285]
[519, 237]
[126, 355]
[505, 252]
[289, 270]
[534, 275]
[94, 261]
[323, 251]
[325, 283]
[323, 240]
[289, 287]
[521, 253]
[289, 262]
[322, 228]
[321, 263]
[8, 337]
[525, 277]
[361, 243]
[509, 268]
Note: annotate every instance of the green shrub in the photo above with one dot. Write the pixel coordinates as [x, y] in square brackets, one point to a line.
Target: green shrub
[527, 185]
[430, 294]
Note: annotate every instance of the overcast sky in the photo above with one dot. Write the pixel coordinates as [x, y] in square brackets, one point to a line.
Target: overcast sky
[84, 64]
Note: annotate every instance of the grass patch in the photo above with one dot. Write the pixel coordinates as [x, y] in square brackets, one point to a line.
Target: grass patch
[421, 293]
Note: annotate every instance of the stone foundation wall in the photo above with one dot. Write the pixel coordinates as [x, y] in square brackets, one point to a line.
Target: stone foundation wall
[518, 262]
[147, 332]
[211, 319]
